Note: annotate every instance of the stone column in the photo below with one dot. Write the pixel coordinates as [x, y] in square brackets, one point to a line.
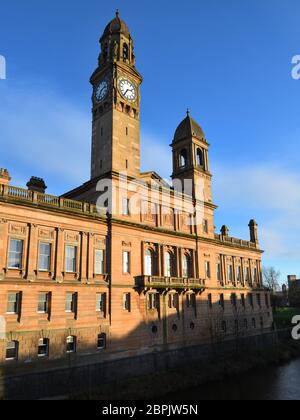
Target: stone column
[90, 258]
[59, 255]
[83, 256]
[32, 256]
[3, 246]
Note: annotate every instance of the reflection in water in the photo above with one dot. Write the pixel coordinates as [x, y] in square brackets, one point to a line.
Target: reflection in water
[275, 383]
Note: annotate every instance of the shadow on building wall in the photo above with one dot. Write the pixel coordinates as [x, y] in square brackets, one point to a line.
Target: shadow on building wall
[159, 344]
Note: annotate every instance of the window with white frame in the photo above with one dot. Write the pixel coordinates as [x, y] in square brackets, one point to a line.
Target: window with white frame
[71, 259]
[101, 303]
[168, 264]
[127, 302]
[153, 301]
[230, 273]
[174, 301]
[71, 344]
[186, 266]
[12, 349]
[71, 302]
[13, 302]
[207, 269]
[43, 302]
[101, 342]
[126, 262]
[99, 262]
[15, 254]
[43, 347]
[126, 207]
[148, 263]
[219, 272]
[44, 256]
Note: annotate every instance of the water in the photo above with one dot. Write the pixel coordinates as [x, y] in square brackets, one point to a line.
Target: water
[274, 383]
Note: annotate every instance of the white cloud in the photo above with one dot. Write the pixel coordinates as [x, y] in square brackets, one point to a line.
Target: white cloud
[271, 192]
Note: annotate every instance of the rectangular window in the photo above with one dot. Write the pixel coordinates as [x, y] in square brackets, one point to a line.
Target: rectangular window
[191, 300]
[12, 348]
[71, 259]
[222, 301]
[258, 298]
[207, 269]
[247, 275]
[71, 303]
[99, 261]
[230, 273]
[127, 302]
[126, 207]
[243, 302]
[205, 226]
[233, 300]
[43, 303]
[219, 272]
[239, 274]
[101, 303]
[250, 297]
[210, 303]
[255, 277]
[15, 254]
[174, 301]
[71, 344]
[126, 262]
[43, 347]
[13, 303]
[153, 301]
[44, 256]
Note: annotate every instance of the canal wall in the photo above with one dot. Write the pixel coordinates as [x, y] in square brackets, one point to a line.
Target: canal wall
[86, 379]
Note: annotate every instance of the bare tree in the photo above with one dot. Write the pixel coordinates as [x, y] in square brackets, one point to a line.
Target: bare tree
[271, 278]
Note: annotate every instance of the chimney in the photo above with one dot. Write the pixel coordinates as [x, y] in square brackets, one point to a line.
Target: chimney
[291, 279]
[253, 231]
[4, 176]
[225, 230]
[36, 184]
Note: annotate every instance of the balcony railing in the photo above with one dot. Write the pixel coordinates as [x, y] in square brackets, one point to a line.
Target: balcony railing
[10, 193]
[170, 282]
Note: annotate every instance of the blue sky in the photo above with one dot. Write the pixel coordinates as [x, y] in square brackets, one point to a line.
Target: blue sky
[228, 61]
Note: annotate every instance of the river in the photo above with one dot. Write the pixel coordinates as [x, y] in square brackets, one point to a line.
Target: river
[274, 383]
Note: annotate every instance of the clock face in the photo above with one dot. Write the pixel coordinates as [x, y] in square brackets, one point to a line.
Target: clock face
[128, 90]
[101, 91]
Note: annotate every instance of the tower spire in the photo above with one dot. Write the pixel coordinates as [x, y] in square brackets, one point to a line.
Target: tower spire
[117, 13]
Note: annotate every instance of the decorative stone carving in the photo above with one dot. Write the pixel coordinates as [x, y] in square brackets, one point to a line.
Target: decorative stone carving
[46, 233]
[17, 229]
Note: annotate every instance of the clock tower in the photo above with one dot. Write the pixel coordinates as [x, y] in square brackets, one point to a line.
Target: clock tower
[116, 105]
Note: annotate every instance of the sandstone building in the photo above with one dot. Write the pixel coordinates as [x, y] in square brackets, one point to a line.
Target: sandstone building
[104, 281]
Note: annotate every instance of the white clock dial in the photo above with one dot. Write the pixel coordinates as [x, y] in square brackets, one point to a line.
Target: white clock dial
[128, 90]
[101, 91]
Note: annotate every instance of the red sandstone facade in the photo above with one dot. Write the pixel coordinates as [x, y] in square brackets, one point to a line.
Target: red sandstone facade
[78, 280]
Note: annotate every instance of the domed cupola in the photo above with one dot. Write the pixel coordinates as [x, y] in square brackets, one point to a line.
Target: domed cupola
[188, 128]
[116, 44]
[116, 26]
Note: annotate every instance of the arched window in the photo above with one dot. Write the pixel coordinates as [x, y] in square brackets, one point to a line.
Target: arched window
[186, 266]
[200, 158]
[149, 266]
[101, 342]
[105, 51]
[125, 52]
[168, 265]
[71, 344]
[183, 160]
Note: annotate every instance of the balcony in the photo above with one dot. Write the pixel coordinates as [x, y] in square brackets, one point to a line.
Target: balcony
[170, 283]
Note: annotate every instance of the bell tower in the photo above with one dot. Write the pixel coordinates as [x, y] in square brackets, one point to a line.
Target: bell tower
[116, 105]
[191, 168]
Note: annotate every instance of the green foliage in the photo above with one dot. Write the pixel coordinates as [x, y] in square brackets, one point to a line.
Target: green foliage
[283, 317]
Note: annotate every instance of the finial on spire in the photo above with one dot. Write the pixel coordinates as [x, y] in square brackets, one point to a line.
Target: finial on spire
[188, 112]
[117, 13]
